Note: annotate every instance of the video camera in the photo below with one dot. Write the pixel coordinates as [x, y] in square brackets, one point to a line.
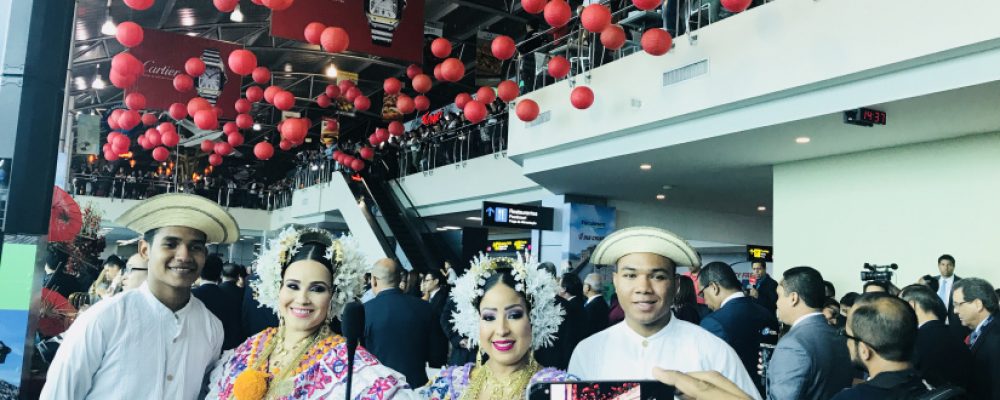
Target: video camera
[878, 272]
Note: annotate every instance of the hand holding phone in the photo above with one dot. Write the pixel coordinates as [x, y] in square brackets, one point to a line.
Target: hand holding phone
[703, 385]
[601, 390]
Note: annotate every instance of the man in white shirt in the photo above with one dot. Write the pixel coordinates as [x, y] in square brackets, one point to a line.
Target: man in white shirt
[157, 341]
[645, 259]
[946, 285]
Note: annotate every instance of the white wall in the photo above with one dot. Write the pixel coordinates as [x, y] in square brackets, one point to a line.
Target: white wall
[697, 225]
[906, 205]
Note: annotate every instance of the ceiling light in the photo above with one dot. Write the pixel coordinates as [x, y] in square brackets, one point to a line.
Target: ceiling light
[450, 228]
[288, 67]
[802, 140]
[331, 71]
[192, 34]
[645, 167]
[761, 208]
[256, 127]
[473, 218]
[109, 28]
[237, 15]
[80, 83]
[186, 16]
[661, 197]
[667, 187]
[98, 83]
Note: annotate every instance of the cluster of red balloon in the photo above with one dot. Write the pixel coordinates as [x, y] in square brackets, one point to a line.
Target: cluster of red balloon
[380, 136]
[333, 39]
[293, 132]
[350, 161]
[346, 90]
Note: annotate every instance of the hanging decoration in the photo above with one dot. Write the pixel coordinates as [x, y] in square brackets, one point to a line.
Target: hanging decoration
[526, 110]
[656, 41]
[582, 97]
[503, 47]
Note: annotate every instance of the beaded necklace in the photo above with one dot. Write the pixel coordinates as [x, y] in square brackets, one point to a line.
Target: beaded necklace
[511, 388]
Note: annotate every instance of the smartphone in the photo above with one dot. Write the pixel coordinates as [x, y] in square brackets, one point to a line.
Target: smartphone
[601, 390]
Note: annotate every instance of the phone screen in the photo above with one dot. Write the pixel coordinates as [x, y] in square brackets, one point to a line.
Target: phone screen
[601, 390]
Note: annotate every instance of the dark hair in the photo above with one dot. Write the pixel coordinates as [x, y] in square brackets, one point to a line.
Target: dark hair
[978, 289]
[505, 274]
[435, 274]
[925, 298]
[931, 281]
[149, 235]
[548, 267]
[720, 273]
[232, 271]
[808, 283]
[882, 284]
[55, 258]
[830, 303]
[572, 284]
[685, 291]
[828, 287]
[115, 261]
[213, 268]
[310, 250]
[946, 257]
[849, 299]
[886, 323]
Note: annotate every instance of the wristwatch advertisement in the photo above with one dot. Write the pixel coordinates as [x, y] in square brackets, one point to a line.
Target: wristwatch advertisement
[211, 82]
[383, 19]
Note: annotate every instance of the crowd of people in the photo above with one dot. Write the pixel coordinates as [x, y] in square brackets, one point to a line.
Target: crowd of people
[447, 140]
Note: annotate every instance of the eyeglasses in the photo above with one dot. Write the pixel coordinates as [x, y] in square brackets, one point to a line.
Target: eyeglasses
[957, 304]
[843, 332]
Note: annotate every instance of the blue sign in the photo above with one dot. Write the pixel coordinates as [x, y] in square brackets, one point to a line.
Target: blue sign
[516, 216]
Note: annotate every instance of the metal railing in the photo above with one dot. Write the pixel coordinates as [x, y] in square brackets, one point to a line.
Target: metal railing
[123, 188]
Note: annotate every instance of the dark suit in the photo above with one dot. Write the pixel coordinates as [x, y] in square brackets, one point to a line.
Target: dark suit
[810, 362]
[255, 317]
[767, 293]
[740, 323]
[438, 302]
[597, 315]
[941, 357]
[954, 323]
[400, 330]
[570, 333]
[226, 309]
[459, 355]
[986, 363]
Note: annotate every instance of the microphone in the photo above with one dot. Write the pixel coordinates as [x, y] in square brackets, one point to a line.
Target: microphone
[353, 326]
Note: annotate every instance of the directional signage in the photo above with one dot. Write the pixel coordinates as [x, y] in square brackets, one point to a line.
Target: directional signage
[516, 216]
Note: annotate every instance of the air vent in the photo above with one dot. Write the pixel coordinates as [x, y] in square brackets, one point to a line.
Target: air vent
[542, 118]
[686, 72]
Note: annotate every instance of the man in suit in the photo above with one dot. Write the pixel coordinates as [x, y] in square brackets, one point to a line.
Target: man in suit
[433, 283]
[940, 357]
[736, 319]
[231, 274]
[976, 305]
[255, 317]
[946, 284]
[764, 289]
[572, 327]
[224, 307]
[462, 352]
[400, 330]
[595, 308]
[811, 361]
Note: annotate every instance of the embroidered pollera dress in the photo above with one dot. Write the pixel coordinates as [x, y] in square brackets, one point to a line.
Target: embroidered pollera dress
[453, 381]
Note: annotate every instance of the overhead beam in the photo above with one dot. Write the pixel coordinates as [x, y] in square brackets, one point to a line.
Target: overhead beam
[441, 12]
[168, 10]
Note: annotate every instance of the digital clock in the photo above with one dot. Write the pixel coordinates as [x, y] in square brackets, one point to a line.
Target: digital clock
[865, 117]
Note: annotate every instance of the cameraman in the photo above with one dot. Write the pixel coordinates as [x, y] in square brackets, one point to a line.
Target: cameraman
[881, 331]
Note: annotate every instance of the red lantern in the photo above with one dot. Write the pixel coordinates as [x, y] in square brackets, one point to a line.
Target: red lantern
[382, 134]
[475, 111]
[613, 37]
[148, 119]
[178, 111]
[255, 94]
[405, 104]
[345, 85]
[230, 128]
[242, 62]
[735, 6]
[421, 103]
[362, 103]
[314, 31]
[121, 144]
[166, 127]
[144, 143]
[367, 153]
[462, 99]
[284, 100]
[135, 101]
[437, 72]
[294, 130]
[194, 67]
[170, 139]
[235, 139]
[357, 165]
[392, 85]
[656, 41]
[352, 94]
[128, 120]
[646, 5]
[215, 160]
[152, 138]
[335, 39]
[558, 13]
[441, 48]
[126, 64]
[223, 149]
[595, 17]
[122, 81]
[110, 156]
[396, 128]
[113, 119]
[527, 110]
[139, 5]
[508, 90]
[161, 154]
[277, 5]
[413, 70]
[244, 121]
[533, 6]
[197, 104]
[242, 106]
[422, 83]
[207, 146]
[285, 145]
[129, 34]
[581, 97]
[332, 125]
[485, 95]
[270, 92]
[226, 6]
[373, 139]
[452, 70]
[558, 66]
[263, 151]
[503, 47]
[332, 91]
[323, 100]
[206, 119]
[183, 83]
[261, 75]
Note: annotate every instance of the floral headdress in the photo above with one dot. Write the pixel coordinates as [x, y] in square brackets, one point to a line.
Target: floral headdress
[538, 287]
[348, 266]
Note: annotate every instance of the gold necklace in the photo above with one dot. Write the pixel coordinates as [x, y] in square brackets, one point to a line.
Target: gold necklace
[510, 388]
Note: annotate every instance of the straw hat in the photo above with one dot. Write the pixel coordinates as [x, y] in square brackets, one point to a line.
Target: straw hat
[645, 239]
[179, 209]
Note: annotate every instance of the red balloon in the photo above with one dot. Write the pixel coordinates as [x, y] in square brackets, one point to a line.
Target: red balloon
[255, 94]
[323, 100]
[235, 139]
[207, 146]
[362, 103]
[437, 72]
[613, 37]
[656, 41]
[226, 6]
[485, 95]
[242, 106]
[462, 99]
[128, 120]
[126, 64]
[475, 111]
[314, 31]
[581, 97]
[396, 128]
[392, 85]
[197, 104]
[270, 92]
[527, 110]
[422, 83]
[367, 153]
[144, 143]
[206, 119]
[735, 6]
[533, 6]
[452, 70]
[335, 39]
[178, 111]
[148, 119]
[183, 83]
[161, 154]
[285, 145]
[129, 34]
[508, 90]
[503, 47]
[646, 5]
[170, 139]
[263, 151]
[373, 139]
[139, 5]
[223, 149]
[413, 70]
[215, 160]
[194, 67]
[113, 119]
[558, 66]
[261, 75]
[152, 138]
[382, 134]
[352, 94]
[558, 13]
[421, 103]
[244, 121]
[121, 144]
[595, 17]
[332, 125]
[332, 91]
[122, 81]
[284, 100]
[357, 165]
[405, 104]
[242, 62]
[441, 48]
[230, 128]
[110, 156]
[166, 127]
[135, 101]
[294, 130]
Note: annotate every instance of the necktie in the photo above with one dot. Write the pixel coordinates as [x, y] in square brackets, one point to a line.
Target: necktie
[972, 338]
[943, 292]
